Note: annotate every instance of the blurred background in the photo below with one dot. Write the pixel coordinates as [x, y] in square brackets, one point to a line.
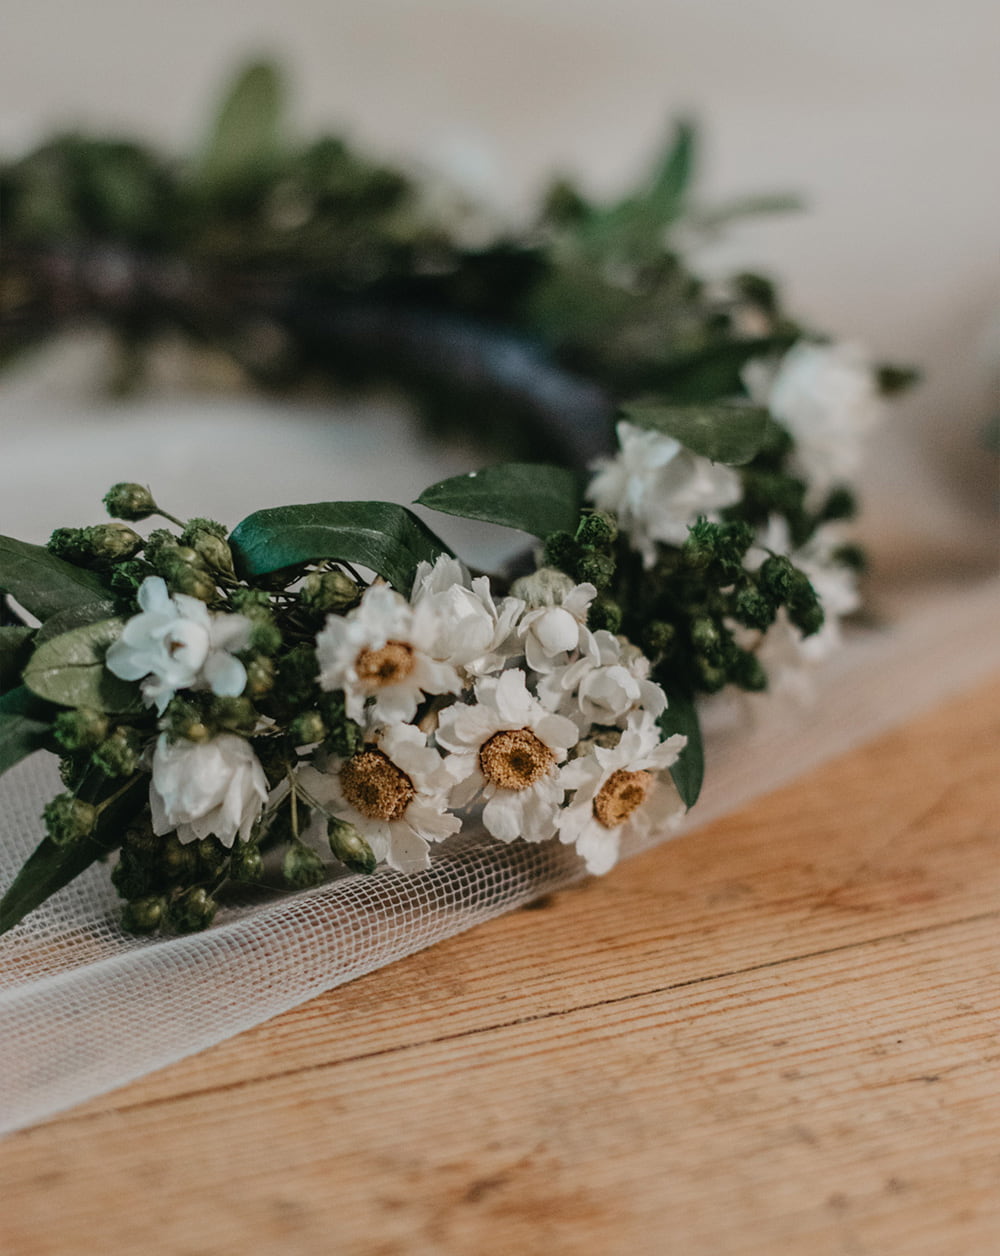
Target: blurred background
[882, 116]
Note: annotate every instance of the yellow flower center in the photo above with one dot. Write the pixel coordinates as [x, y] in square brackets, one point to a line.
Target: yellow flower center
[619, 796]
[514, 759]
[375, 786]
[387, 666]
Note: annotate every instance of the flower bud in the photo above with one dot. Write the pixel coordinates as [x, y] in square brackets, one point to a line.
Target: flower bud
[753, 609]
[118, 755]
[129, 501]
[596, 569]
[212, 550]
[600, 528]
[605, 613]
[144, 915]
[265, 636]
[186, 576]
[108, 543]
[545, 587]
[193, 910]
[237, 715]
[659, 638]
[349, 846]
[67, 544]
[247, 864]
[179, 861]
[67, 819]
[260, 676]
[307, 728]
[302, 867]
[325, 592]
[82, 729]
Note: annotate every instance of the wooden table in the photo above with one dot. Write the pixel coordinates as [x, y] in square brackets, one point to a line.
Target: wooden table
[779, 1034]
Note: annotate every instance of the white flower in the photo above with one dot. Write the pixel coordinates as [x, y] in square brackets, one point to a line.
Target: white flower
[657, 488]
[383, 650]
[505, 749]
[604, 687]
[394, 792]
[619, 793]
[177, 643]
[549, 634]
[204, 788]
[826, 396]
[474, 632]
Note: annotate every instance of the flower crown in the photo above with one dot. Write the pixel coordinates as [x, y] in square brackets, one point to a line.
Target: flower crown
[330, 676]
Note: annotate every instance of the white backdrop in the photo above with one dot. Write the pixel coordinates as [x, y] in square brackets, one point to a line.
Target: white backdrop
[883, 114]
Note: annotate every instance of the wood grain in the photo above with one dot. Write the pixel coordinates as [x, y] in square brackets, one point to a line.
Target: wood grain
[779, 1034]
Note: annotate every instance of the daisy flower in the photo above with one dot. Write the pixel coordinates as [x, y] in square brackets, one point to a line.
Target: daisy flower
[551, 632]
[505, 749]
[619, 793]
[394, 792]
[383, 650]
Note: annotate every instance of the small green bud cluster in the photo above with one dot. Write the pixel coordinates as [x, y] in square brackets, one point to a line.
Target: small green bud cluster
[301, 867]
[68, 819]
[329, 593]
[590, 556]
[99, 547]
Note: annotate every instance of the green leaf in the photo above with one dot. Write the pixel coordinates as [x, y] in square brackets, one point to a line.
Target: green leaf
[710, 372]
[384, 537]
[42, 583]
[15, 648]
[681, 716]
[25, 722]
[672, 177]
[70, 670]
[731, 434]
[530, 496]
[50, 867]
[75, 617]
[246, 137]
[718, 216]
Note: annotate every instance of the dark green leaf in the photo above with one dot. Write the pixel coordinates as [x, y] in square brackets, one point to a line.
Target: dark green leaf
[386, 538]
[50, 867]
[247, 133]
[69, 670]
[42, 583]
[75, 617]
[530, 496]
[681, 716]
[730, 434]
[15, 649]
[24, 724]
[709, 373]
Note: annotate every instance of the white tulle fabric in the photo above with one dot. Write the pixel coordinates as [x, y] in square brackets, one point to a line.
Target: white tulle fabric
[85, 1008]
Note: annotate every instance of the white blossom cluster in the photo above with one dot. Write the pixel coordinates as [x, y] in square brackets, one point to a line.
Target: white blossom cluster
[508, 709]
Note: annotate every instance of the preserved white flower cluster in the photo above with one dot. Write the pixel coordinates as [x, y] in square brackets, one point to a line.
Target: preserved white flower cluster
[525, 718]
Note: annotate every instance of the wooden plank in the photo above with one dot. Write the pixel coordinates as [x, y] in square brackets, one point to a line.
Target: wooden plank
[777, 1035]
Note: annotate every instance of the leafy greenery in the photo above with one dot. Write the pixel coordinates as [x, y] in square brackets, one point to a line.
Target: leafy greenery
[386, 538]
[724, 433]
[532, 497]
[681, 716]
[69, 670]
[42, 583]
[15, 647]
[25, 726]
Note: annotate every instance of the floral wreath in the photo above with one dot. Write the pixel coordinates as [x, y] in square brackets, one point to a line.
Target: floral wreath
[330, 677]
